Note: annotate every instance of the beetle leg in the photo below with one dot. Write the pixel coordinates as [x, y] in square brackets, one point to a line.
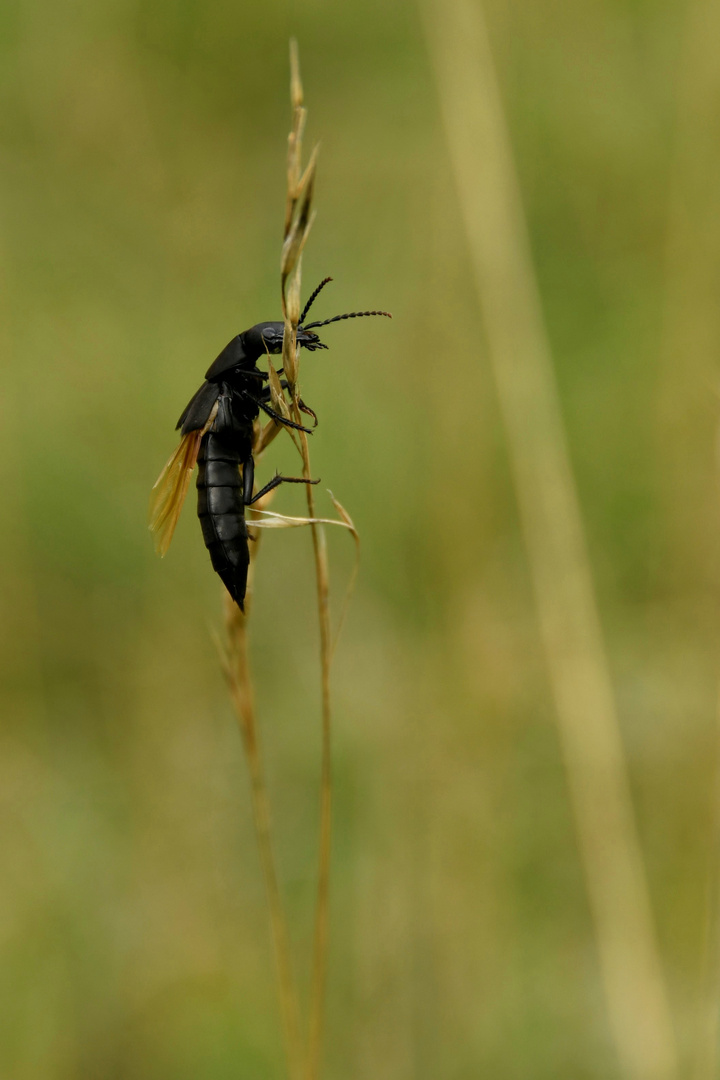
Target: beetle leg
[275, 482]
[276, 416]
[308, 411]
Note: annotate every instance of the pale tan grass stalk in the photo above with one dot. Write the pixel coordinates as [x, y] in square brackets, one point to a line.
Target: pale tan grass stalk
[237, 670]
[482, 162]
[708, 1027]
[691, 339]
[298, 221]
[320, 945]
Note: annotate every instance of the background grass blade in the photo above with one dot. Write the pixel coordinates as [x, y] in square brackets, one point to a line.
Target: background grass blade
[518, 348]
[688, 391]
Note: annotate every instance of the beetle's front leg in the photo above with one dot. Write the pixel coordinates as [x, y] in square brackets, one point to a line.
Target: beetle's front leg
[275, 415]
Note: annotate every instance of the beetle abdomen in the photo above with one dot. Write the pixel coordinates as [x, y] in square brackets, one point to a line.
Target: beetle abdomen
[222, 512]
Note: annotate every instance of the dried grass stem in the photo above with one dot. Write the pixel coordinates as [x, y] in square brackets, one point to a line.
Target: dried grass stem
[481, 158]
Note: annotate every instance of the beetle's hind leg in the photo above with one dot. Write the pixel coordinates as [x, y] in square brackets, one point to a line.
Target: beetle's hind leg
[275, 482]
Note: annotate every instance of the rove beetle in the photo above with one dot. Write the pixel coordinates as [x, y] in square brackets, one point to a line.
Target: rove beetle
[217, 431]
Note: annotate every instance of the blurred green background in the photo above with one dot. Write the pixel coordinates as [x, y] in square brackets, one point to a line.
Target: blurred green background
[142, 150]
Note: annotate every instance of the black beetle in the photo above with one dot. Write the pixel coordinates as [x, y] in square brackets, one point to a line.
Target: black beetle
[217, 430]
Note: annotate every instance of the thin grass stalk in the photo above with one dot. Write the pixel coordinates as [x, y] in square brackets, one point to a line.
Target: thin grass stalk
[241, 692]
[481, 159]
[691, 337]
[298, 222]
[322, 579]
[705, 1065]
[320, 939]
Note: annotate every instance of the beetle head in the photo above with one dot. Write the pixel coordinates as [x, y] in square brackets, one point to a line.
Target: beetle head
[268, 337]
[265, 337]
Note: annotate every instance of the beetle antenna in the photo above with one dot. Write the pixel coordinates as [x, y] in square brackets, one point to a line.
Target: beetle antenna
[349, 315]
[313, 297]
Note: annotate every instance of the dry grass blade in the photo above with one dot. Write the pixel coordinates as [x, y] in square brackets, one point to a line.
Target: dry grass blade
[237, 672]
[297, 237]
[293, 164]
[291, 314]
[307, 180]
[294, 158]
[296, 87]
[277, 398]
[482, 162]
[285, 521]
